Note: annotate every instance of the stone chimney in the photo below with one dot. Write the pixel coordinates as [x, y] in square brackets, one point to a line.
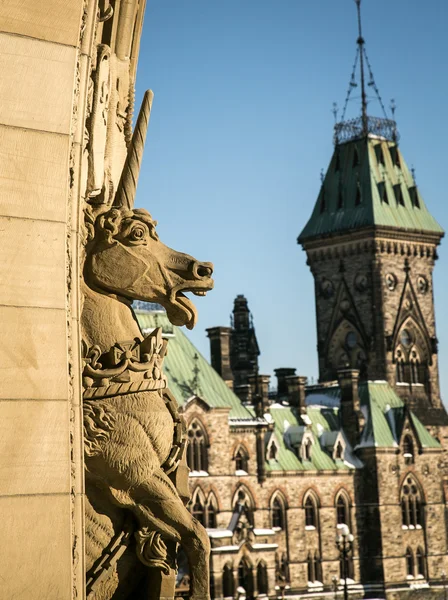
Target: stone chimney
[282, 374]
[259, 385]
[295, 385]
[350, 415]
[220, 352]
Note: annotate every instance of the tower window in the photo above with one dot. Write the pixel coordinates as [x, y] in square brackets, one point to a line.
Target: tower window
[356, 157]
[197, 455]
[414, 196]
[340, 200]
[337, 164]
[411, 504]
[358, 197]
[395, 156]
[323, 203]
[379, 154]
[382, 191]
[398, 194]
[408, 450]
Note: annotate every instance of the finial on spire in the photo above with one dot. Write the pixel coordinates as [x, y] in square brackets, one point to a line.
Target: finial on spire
[360, 42]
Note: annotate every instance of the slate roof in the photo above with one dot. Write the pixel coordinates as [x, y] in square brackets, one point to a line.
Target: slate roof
[368, 184]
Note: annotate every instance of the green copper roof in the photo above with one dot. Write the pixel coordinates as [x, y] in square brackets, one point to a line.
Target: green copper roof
[187, 371]
[368, 184]
[385, 417]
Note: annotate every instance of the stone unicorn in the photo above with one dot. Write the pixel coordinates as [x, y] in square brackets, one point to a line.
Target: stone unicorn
[134, 435]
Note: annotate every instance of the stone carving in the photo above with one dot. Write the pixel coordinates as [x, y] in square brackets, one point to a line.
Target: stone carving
[135, 439]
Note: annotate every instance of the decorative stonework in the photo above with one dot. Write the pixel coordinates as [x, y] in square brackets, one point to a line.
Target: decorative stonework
[135, 439]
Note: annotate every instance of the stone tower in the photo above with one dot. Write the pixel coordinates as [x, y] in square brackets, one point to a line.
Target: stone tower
[371, 245]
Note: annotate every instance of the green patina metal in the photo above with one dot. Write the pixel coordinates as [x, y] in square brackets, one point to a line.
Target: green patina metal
[368, 184]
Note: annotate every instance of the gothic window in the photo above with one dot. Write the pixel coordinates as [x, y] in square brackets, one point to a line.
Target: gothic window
[197, 454]
[409, 562]
[307, 447]
[245, 577]
[211, 511]
[310, 506]
[410, 357]
[262, 578]
[342, 510]
[244, 504]
[241, 460]
[338, 451]
[411, 504]
[197, 506]
[421, 566]
[408, 450]
[278, 512]
[228, 585]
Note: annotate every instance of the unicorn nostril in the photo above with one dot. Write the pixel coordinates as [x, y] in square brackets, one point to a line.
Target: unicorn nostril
[204, 271]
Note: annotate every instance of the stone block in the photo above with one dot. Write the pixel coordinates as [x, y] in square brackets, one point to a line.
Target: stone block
[35, 548]
[37, 83]
[33, 354]
[53, 20]
[33, 263]
[34, 447]
[34, 174]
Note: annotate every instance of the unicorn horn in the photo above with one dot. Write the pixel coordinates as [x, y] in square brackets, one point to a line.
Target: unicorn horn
[127, 186]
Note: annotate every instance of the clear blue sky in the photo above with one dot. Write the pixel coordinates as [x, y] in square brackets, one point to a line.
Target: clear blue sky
[242, 125]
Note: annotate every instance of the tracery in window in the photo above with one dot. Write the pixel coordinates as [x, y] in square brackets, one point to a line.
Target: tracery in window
[411, 356]
[197, 451]
[411, 503]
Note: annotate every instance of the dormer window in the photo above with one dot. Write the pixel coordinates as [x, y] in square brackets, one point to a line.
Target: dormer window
[398, 194]
[379, 154]
[395, 156]
[413, 193]
[382, 191]
[338, 451]
[241, 460]
[340, 200]
[273, 450]
[356, 157]
[337, 164]
[323, 201]
[306, 449]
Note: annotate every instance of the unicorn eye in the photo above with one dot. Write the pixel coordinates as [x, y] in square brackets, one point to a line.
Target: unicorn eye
[138, 233]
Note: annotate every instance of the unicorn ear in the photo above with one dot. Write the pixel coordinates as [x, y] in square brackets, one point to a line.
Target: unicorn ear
[127, 186]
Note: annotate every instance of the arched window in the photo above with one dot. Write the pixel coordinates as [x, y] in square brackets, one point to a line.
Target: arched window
[262, 578]
[342, 510]
[421, 566]
[409, 563]
[197, 455]
[197, 506]
[228, 584]
[241, 460]
[244, 503]
[245, 577]
[408, 450]
[338, 451]
[307, 447]
[211, 511]
[278, 512]
[273, 450]
[411, 503]
[310, 506]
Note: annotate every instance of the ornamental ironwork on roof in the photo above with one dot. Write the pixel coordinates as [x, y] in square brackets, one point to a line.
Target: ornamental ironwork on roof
[353, 129]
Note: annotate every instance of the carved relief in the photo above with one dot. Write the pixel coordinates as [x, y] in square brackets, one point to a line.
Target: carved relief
[135, 438]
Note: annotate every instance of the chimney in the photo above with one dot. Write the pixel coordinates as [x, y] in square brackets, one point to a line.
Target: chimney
[243, 392]
[281, 374]
[296, 392]
[259, 385]
[220, 352]
[350, 410]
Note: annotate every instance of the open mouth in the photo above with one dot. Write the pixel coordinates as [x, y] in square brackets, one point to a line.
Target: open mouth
[180, 309]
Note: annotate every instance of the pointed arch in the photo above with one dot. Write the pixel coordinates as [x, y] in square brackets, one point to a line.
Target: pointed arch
[311, 505]
[197, 505]
[262, 578]
[245, 576]
[412, 503]
[278, 510]
[343, 505]
[243, 502]
[211, 511]
[410, 569]
[241, 458]
[198, 443]
[228, 581]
